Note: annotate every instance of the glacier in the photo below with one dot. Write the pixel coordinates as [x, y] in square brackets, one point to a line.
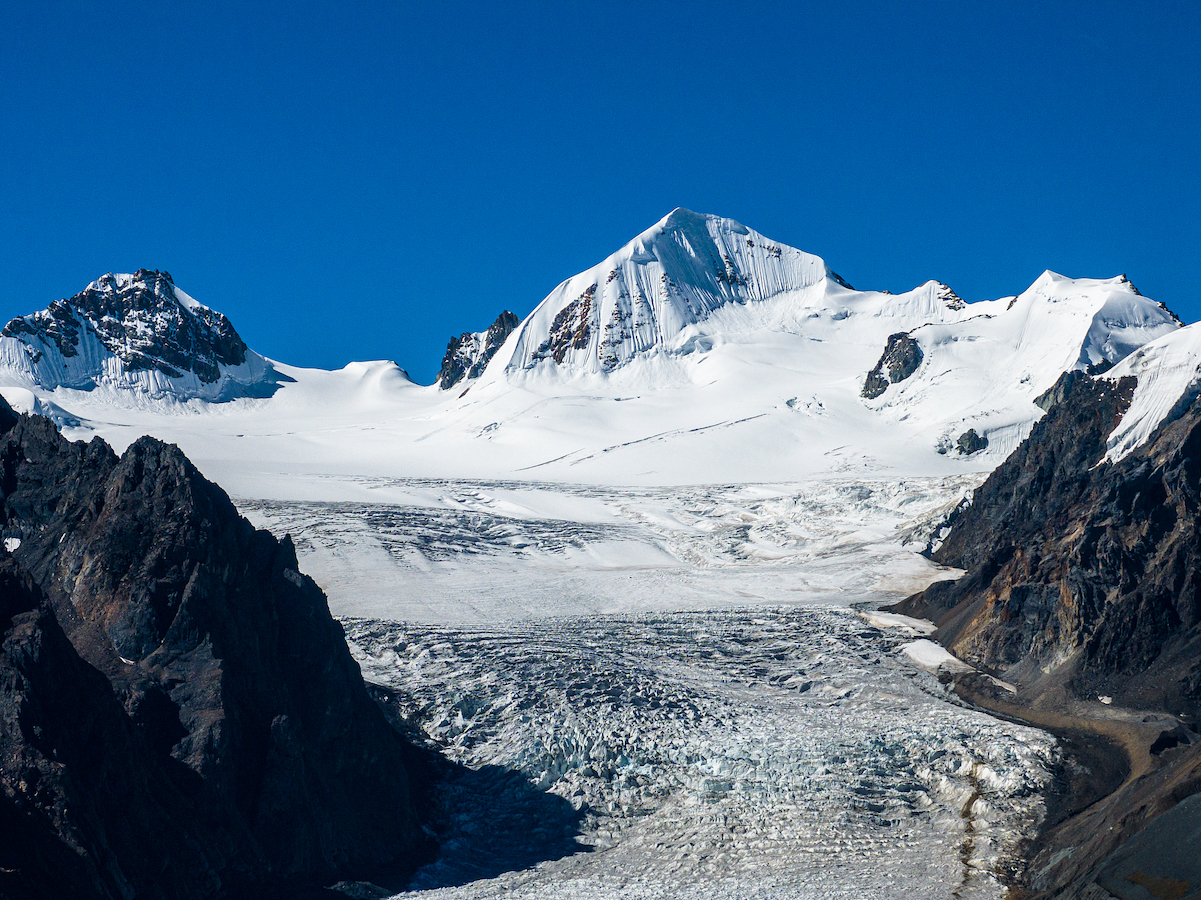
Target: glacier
[695, 672]
[633, 560]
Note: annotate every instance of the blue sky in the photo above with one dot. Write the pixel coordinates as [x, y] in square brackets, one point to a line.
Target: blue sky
[360, 181]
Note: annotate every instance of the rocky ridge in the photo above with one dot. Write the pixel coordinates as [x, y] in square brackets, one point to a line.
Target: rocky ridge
[176, 692]
[469, 354]
[1083, 589]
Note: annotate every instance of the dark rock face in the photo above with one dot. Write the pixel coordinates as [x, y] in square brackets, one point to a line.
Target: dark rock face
[1083, 580]
[571, 328]
[87, 811]
[970, 442]
[1057, 392]
[143, 323]
[1013, 584]
[1064, 555]
[950, 298]
[204, 676]
[469, 354]
[900, 359]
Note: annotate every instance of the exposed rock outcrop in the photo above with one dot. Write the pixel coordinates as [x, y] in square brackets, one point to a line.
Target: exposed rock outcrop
[1083, 587]
[572, 328]
[900, 359]
[950, 298]
[469, 354]
[970, 442]
[204, 682]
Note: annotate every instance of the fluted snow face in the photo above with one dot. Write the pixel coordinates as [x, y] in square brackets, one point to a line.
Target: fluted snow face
[671, 276]
[1169, 380]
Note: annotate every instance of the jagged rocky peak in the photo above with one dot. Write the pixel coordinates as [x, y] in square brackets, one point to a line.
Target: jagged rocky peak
[900, 359]
[672, 275]
[950, 298]
[161, 340]
[143, 321]
[469, 354]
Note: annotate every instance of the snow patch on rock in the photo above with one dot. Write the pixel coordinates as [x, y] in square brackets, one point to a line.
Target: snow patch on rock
[1169, 380]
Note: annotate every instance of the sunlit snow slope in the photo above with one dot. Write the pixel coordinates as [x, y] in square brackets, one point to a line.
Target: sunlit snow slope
[1169, 379]
[702, 352]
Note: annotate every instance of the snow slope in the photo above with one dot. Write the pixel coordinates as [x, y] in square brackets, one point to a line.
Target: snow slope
[702, 352]
[1169, 379]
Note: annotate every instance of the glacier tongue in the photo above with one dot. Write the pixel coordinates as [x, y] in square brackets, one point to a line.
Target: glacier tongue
[782, 753]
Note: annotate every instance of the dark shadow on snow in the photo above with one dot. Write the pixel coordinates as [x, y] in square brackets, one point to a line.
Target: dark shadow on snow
[487, 821]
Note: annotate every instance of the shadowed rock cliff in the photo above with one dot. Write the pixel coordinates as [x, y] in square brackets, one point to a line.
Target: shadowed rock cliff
[181, 716]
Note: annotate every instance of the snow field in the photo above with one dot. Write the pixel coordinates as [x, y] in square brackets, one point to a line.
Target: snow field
[475, 552]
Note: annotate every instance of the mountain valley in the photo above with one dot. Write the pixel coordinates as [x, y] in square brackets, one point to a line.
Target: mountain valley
[619, 575]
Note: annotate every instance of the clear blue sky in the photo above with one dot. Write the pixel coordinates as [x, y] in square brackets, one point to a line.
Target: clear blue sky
[359, 181]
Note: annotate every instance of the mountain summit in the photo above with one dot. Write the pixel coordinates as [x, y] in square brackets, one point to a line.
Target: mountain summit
[672, 275]
[138, 332]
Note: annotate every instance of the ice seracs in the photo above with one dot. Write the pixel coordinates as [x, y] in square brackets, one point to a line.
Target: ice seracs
[136, 334]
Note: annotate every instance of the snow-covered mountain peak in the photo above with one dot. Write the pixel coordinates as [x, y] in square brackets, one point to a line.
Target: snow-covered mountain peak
[134, 331]
[674, 274]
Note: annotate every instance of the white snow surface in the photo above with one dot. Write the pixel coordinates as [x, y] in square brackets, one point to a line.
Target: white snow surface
[753, 376]
[1169, 379]
[487, 552]
[934, 657]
